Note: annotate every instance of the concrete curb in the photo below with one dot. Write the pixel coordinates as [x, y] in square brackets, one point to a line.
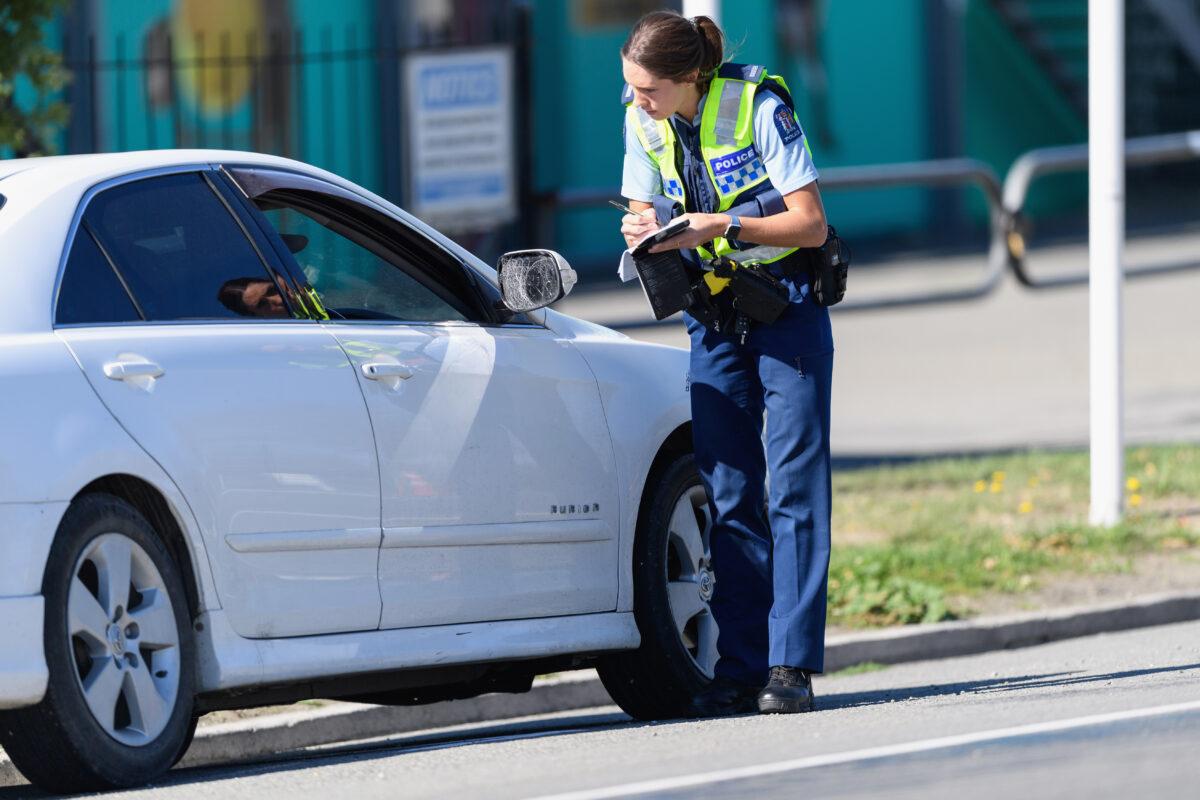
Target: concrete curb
[947, 639]
[268, 735]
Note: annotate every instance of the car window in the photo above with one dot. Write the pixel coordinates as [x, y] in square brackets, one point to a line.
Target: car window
[356, 275]
[91, 292]
[181, 252]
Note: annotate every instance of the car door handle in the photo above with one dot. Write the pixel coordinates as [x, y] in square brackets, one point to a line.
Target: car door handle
[124, 370]
[381, 370]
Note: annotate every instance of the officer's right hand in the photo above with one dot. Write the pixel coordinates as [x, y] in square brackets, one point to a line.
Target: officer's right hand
[635, 227]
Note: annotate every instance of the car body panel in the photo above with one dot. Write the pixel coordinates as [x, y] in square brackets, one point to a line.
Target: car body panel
[644, 391]
[23, 672]
[229, 661]
[499, 489]
[26, 533]
[263, 427]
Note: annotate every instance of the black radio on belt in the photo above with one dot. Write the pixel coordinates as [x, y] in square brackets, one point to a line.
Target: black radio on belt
[829, 266]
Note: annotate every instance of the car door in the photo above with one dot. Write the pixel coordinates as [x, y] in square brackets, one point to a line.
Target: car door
[498, 480]
[253, 412]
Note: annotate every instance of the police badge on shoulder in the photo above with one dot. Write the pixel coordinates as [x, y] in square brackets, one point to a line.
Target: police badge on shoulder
[785, 123]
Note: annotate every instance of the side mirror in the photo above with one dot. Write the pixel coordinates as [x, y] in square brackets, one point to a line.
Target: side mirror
[533, 279]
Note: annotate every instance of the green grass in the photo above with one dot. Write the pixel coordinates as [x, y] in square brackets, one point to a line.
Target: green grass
[858, 669]
[909, 538]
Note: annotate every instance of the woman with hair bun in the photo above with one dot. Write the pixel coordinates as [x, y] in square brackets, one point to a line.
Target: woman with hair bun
[720, 144]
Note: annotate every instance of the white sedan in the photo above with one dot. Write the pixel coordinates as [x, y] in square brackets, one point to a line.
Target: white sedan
[268, 437]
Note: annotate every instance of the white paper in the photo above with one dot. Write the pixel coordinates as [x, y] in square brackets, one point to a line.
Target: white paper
[626, 271]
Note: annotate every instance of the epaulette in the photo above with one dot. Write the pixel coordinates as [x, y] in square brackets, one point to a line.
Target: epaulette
[780, 91]
[751, 73]
[627, 95]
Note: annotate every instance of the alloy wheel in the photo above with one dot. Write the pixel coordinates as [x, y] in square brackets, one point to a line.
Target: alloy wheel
[123, 636]
[690, 578]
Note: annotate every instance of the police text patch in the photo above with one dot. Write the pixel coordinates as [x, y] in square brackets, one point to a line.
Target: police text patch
[732, 162]
[737, 171]
[785, 123]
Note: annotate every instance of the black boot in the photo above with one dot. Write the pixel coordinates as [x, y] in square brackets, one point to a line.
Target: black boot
[725, 697]
[789, 691]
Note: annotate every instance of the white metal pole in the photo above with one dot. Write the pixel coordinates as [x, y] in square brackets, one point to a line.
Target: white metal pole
[1106, 245]
[707, 8]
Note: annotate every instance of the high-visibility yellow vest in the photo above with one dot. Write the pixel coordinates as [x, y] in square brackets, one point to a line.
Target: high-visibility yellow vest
[731, 159]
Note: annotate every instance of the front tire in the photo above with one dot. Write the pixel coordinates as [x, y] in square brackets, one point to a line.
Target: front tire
[672, 585]
[118, 708]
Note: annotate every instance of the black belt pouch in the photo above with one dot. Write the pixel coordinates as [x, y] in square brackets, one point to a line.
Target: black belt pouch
[758, 294]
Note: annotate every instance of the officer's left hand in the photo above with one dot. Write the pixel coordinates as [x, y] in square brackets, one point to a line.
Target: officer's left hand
[702, 230]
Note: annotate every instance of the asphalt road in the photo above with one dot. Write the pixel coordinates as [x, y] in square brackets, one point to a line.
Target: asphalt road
[1112, 716]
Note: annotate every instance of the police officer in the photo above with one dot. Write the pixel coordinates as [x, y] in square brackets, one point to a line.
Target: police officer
[720, 143]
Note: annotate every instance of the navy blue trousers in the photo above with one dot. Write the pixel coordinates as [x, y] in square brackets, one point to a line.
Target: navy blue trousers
[771, 569]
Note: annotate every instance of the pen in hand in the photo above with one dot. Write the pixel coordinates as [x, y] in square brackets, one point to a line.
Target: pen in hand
[625, 208]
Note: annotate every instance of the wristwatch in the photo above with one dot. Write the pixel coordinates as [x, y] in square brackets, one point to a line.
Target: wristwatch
[735, 228]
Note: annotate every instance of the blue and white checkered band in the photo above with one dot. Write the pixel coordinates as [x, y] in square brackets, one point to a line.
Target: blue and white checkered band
[674, 188]
[737, 170]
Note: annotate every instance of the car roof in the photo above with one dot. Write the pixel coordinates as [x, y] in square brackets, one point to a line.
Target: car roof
[101, 166]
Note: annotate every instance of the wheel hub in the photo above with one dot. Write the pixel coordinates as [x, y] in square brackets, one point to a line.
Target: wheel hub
[116, 639]
[707, 583]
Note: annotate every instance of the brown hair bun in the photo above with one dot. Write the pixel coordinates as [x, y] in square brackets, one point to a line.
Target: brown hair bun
[671, 46]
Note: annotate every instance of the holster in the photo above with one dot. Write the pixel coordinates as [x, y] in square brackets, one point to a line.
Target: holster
[757, 293]
[704, 307]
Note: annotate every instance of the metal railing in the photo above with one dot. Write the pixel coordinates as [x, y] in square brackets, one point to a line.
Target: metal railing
[938, 174]
[1143, 151]
[1008, 225]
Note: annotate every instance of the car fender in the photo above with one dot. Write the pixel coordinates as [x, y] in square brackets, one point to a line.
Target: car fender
[643, 390]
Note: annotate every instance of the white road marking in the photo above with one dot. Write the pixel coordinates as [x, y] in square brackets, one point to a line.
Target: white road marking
[739, 773]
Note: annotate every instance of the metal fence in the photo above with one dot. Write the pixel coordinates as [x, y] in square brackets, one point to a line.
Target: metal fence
[330, 96]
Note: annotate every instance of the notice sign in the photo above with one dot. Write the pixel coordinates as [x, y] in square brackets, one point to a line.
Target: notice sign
[460, 152]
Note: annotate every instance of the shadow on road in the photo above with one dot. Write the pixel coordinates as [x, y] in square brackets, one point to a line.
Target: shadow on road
[986, 686]
[367, 751]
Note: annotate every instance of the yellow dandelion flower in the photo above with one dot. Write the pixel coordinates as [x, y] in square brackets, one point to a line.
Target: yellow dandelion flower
[1025, 507]
[980, 487]
[1135, 500]
[1133, 484]
[998, 476]
[997, 487]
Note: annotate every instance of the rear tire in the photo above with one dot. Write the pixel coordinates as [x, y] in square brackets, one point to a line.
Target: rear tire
[672, 583]
[118, 709]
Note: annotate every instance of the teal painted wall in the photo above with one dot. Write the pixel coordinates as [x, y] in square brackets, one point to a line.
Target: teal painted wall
[578, 120]
[877, 110]
[1009, 107]
[331, 103]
